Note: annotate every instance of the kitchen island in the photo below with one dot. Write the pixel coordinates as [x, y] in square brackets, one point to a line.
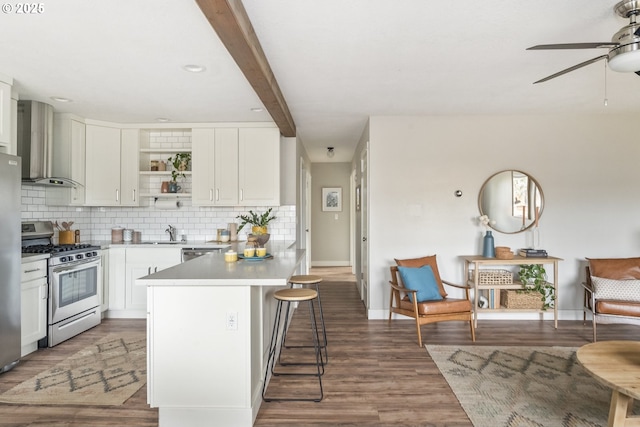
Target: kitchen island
[208, 329]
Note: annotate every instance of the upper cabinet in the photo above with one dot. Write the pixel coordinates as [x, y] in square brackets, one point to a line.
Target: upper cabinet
[129, 155]
[118, 165]
[6, 141]
[246, 167]
[259, 167]
[215, 167]
[111, 166]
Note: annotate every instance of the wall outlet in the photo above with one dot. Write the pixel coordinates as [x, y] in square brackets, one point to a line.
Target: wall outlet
[232, 321]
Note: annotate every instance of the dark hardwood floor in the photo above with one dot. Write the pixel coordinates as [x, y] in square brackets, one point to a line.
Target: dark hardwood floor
[376, 376]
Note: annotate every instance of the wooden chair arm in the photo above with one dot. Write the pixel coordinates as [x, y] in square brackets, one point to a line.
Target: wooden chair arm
[455, 285]
[587, 287]
[402, 289]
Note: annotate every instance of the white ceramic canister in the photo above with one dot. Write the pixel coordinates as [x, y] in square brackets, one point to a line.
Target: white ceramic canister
[127, 235]
[230, 256]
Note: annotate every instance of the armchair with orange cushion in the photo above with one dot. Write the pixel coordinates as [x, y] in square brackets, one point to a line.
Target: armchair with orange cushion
[417, 291]
[612, 291]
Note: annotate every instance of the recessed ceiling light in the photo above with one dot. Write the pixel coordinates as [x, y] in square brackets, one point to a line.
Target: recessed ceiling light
[60, 99]
[162, 119]
[257, 110]
[194, 68]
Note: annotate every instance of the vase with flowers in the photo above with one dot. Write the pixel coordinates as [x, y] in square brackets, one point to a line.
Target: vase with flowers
[488, 244]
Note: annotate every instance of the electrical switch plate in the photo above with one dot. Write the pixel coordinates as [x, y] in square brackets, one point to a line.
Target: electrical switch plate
[232, 320]
[336, 217]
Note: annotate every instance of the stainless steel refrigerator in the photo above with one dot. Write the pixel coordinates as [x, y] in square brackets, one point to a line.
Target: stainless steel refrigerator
[10, 259]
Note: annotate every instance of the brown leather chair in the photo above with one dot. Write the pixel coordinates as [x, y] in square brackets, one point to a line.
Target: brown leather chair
[610, 310]
[428, 311]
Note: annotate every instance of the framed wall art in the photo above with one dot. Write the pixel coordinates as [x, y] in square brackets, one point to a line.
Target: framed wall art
[332, 199]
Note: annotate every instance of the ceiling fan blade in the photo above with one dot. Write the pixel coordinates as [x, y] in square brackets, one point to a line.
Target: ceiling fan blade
[570, 69]
[574, 46]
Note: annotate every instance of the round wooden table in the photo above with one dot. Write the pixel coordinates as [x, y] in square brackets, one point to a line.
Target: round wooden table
[615, 364]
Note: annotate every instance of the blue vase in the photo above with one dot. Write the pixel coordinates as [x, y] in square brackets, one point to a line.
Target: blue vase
[488, 247]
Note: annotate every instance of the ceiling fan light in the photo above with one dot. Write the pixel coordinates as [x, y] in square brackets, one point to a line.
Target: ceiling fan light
[625, 58]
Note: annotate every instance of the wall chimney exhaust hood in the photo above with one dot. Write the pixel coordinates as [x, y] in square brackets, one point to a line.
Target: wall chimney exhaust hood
[35, 145]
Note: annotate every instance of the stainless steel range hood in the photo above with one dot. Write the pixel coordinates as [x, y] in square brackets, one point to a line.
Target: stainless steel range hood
[35, 145]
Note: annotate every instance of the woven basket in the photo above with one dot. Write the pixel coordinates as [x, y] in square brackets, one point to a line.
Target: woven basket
[521, 299]
[495, 277]
[503, 252]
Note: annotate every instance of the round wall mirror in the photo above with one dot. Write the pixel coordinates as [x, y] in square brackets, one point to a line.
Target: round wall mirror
[513, 199]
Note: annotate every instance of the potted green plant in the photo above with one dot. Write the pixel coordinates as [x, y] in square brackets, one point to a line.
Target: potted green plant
[258, 222]
[534, 278]
[180, 163]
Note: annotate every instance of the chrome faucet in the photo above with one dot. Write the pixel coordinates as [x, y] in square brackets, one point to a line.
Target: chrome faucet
[172, 233]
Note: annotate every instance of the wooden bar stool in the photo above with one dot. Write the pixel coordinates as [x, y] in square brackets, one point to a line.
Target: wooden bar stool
[310, 280]
[289, 295]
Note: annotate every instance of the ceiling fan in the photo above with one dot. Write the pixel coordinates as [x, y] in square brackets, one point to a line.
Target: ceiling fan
[624, 53]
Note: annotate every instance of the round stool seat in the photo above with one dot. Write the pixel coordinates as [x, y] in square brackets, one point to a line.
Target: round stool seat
[305, 279]
[295, 294]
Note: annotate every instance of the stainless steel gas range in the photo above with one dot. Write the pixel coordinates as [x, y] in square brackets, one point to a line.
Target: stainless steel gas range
[75, 282]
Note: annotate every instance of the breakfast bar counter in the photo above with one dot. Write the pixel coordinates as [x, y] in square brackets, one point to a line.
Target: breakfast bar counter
[209, 323]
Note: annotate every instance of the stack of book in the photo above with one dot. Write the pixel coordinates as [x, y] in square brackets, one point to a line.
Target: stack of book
[532, 253]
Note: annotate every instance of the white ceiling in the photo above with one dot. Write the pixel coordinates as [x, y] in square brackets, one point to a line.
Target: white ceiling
[337, 62]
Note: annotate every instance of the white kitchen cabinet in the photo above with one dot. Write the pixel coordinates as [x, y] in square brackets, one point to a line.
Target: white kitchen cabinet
[111, 166]
[217, 185]
[69, 160]
[6, 145]
[203, 187]
[126, 300]
[246, 167]
[141, 262]
[33, 305]
[117, 279]
[259, 166]
[129, 167]
[104, 303]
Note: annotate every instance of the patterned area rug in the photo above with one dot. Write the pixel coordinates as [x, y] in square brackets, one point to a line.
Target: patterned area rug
[522, 386]
[105, 373]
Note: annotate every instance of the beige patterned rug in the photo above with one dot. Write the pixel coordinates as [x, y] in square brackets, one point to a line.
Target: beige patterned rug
[522, 386]
[105, 373]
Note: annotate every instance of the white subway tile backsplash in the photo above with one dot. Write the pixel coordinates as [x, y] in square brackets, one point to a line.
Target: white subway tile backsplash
[201, 222]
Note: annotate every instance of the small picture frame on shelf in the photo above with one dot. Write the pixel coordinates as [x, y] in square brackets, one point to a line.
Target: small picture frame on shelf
[332, 199]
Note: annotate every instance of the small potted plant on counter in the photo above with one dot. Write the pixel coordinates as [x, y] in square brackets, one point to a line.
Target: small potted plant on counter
[258, 223]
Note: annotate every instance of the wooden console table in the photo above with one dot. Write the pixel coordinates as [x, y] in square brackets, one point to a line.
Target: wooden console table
[615, 364]
[477, 261]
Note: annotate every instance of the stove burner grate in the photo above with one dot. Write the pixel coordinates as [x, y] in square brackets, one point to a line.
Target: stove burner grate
[53, 249]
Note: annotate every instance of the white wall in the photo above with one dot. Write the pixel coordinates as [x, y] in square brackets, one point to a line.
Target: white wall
[588, 168]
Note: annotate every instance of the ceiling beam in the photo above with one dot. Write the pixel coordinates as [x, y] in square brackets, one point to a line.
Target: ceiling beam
[230, 21]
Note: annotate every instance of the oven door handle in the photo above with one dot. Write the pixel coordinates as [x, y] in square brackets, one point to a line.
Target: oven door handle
[74, 265]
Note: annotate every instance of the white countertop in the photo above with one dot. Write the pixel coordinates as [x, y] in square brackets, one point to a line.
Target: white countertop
[104, 244]
[212, 270]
